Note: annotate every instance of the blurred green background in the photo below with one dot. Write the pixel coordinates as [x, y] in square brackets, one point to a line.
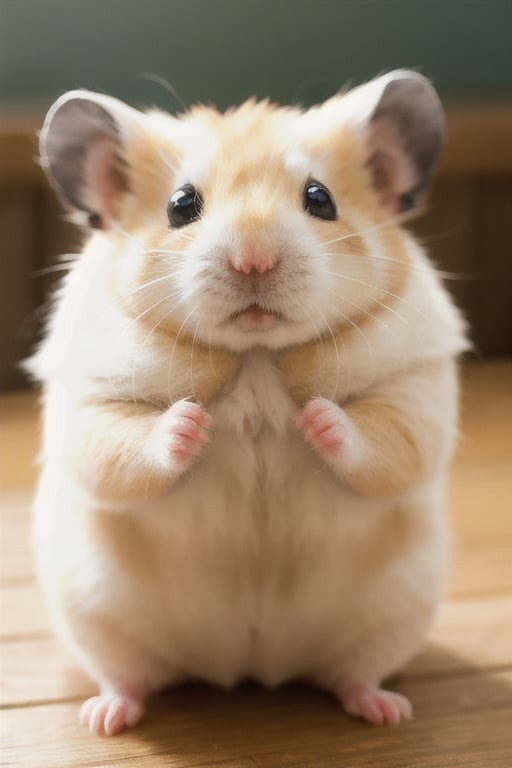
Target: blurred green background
[227, 50]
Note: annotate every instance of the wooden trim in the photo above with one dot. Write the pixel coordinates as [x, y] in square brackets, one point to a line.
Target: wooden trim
[479, 140]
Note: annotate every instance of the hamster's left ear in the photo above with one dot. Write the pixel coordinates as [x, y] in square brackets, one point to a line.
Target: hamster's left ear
[402, 121]
[83, 146]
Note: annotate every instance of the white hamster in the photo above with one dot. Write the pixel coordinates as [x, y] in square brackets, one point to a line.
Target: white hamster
[250, 397]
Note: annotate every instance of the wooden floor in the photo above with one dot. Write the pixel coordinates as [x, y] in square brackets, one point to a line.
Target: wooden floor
[461, 684]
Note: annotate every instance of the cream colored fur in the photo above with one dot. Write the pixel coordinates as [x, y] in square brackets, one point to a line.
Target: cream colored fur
[263, 559]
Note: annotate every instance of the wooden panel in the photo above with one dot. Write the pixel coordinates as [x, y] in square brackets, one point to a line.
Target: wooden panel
[19, 150]
[19, 439]
[60, 238]
[19, 225]
[479, 139]
[447, 231]
[492, 305]
[486, 408]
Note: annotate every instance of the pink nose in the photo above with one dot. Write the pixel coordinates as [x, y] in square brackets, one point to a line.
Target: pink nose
[254, 259]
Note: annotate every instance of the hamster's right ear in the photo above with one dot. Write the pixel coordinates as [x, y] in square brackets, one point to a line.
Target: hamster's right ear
[83, 152]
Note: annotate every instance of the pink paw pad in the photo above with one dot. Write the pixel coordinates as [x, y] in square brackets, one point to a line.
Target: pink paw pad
[377, 706]
[109, 714]
[185, 427]
[321, 421]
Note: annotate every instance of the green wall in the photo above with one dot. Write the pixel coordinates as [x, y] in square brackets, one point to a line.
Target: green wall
[226, 50]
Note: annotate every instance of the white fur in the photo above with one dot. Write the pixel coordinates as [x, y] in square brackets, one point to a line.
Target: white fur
[258, 545]
[261, 532]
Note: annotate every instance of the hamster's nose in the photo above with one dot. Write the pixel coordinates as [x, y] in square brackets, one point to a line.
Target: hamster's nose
[250, 259]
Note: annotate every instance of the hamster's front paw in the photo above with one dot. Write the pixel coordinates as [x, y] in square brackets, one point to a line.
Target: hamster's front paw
[182, 433]
[323, 424]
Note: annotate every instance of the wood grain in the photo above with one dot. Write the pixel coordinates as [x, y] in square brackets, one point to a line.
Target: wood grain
[291, 727]
[461, 683]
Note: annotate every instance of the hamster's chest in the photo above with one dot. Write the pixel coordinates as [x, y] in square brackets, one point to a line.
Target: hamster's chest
[256, 455]
[255, 401]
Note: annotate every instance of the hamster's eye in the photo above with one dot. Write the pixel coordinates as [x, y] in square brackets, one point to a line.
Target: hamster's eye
[318, 201]
[184, 206]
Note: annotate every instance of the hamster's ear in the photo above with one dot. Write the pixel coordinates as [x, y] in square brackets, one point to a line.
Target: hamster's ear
[82, 147]
[402, 121]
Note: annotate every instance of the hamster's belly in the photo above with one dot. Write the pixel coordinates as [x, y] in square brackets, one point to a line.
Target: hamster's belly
[249, 567]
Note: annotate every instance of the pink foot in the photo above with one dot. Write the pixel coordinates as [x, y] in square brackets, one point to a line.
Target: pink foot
[323, 425]
[375, 705]
[182, 433]
[111, 713]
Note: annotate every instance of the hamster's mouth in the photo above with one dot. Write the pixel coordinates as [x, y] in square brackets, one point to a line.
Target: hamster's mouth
[256, 318]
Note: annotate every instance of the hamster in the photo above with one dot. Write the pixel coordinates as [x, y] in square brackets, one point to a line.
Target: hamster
[250, 397]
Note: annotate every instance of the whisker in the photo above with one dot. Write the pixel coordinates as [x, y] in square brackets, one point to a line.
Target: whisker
[140, 348]
[171, 358]
[418, 267]
[192, 355]
[377, 319]
[336, 350]
[65, 261]
[443, 274]
[362, 334]
[148, 283]
[318, 338]
[49, 270]
[145, 249]
[210, 358]
[145, 311]
[166, 85]
[358, 233]
[387, 293]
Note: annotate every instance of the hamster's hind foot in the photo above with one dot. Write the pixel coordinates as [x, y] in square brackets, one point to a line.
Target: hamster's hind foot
[110, 713]
[377, 706]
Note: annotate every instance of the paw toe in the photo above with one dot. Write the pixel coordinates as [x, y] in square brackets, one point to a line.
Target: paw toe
[110, 714]
[377, 706]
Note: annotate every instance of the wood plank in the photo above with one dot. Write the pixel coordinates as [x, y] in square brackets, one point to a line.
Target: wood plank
[471, 489]
[481, 568]
[473, 634]
[40, 670]
[459, 722]
[22, 611]
[16, 559]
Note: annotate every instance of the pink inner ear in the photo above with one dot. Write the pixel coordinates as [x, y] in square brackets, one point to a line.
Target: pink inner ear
[105, 179]
[391, 171]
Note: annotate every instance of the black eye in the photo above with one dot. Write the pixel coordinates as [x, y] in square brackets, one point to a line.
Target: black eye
[184, 206]
[318, 201]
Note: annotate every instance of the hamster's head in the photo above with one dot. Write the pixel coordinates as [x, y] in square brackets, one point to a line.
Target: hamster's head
[264, 225]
